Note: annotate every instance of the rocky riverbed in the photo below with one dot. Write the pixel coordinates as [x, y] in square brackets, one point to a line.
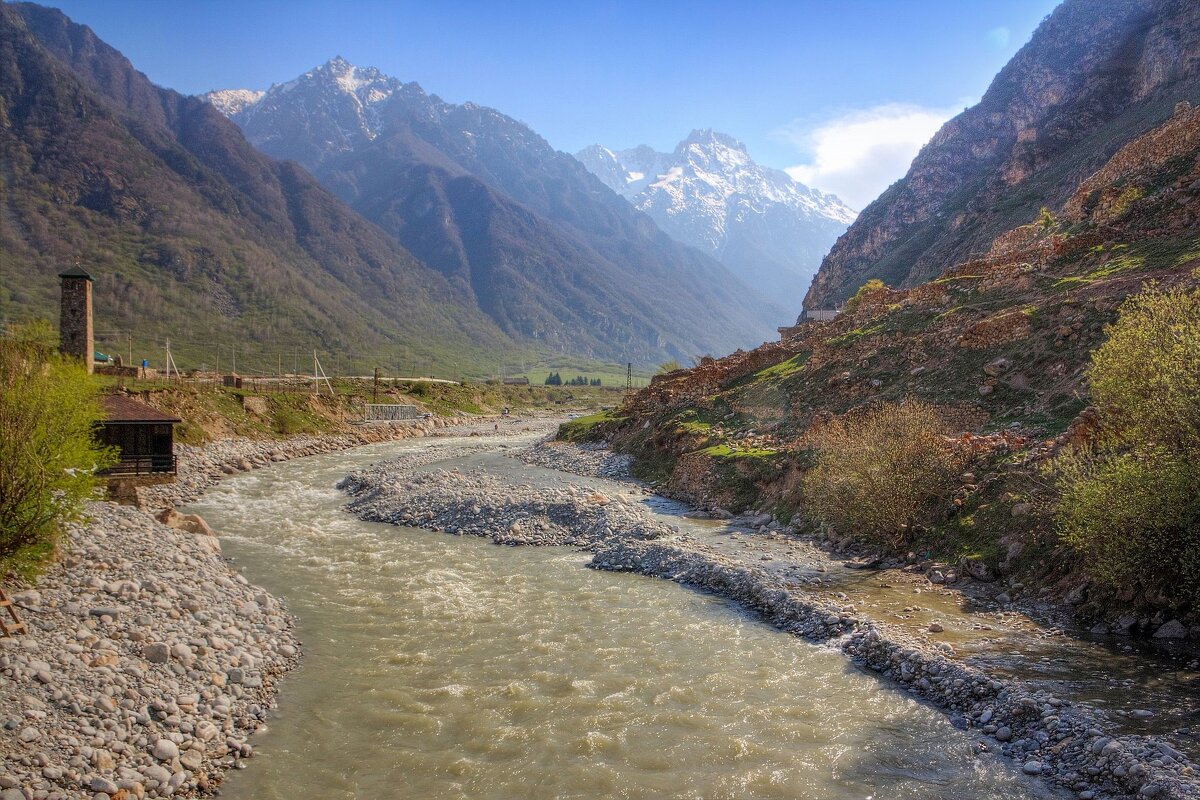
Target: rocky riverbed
[1063, 742]
[149, 660]
[148, 665]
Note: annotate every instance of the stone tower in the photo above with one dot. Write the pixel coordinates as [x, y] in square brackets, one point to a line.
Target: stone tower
[75, 319]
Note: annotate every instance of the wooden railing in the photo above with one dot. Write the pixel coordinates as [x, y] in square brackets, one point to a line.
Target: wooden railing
[143, 465]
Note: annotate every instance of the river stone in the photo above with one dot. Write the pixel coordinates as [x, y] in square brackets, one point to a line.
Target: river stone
[191, 759]
[165, 750]
[1032, 768]
[101, 784]
[1172, 630]
[156, 773]
[157, 652]
[1003, 733]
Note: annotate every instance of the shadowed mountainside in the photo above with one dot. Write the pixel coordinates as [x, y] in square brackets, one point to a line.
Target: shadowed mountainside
[192, 233]
[1094, 76]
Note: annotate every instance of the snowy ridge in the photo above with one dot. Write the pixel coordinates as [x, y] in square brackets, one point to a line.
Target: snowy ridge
[709, 193]
[350, 98]
[231, 101]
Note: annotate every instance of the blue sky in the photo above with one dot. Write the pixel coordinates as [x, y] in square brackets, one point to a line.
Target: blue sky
[840, 93]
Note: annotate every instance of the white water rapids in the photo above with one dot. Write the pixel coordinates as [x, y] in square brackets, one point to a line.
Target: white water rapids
[445, 667]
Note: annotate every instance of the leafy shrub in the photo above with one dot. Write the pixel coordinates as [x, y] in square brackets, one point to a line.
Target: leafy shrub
[290, 422]
[880, 472]
[1130, 498]
[868, 288]
[584, 429]
[1046, 220]
[48, 450]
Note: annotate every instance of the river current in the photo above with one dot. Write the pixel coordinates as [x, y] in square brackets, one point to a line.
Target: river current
[439, 666]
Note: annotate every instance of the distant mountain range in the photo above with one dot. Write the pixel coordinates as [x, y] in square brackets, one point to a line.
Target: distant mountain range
[193, 234]
[1094, 76]
[540, 245]
[770, 230]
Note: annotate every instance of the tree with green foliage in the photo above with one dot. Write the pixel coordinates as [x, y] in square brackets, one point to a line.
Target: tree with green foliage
[49, 454]
[1046, 220]
[1130, 496]
[881, 471]
[864, 291]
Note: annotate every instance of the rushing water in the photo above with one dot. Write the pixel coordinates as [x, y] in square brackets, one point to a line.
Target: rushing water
[446, 667]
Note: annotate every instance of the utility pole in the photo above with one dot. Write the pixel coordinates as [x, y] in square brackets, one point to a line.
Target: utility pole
[629, 377]
[375, 387]
[129, 336]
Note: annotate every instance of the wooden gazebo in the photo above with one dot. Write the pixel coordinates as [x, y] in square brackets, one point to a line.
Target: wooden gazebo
[143, 435]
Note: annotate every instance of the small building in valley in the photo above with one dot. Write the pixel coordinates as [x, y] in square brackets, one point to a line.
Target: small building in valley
[144, 438]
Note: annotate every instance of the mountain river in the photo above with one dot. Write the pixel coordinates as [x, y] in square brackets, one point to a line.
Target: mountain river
[439, 666]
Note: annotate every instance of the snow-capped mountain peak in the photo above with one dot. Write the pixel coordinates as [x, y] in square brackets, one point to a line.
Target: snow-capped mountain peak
[232, 101]
[711, 194]
[345, 101]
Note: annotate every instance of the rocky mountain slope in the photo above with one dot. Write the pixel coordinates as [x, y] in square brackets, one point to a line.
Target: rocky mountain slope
[192, 233]
[998, 343]
[770, 230]
[1094, 76]
[543, 247]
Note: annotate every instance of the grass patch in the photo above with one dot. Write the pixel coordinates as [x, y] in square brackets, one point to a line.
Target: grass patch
[850, 337]
[953, 278]
[784, 368]
[732, 451]
[584, 429]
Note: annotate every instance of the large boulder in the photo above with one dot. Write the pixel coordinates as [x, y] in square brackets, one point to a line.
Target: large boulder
[1171, 630]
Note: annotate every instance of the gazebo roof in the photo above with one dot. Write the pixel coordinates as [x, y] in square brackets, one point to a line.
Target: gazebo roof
[119, 408]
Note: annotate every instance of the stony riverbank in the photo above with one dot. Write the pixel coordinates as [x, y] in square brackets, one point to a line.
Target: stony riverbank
[1062, 742]
[149, 660]
[588, 459]
[201, 467]
[475, 503]
[147, 666]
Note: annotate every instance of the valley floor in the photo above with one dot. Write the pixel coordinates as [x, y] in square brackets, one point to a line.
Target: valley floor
[174, 660]
[1099, 717]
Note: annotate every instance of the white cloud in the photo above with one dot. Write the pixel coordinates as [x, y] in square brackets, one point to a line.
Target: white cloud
[859, 154]
[999, 37]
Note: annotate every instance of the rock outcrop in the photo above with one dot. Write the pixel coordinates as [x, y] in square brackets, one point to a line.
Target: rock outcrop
[1093, 77]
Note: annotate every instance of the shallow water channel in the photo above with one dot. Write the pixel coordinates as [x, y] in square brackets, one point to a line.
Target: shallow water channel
[439, 666]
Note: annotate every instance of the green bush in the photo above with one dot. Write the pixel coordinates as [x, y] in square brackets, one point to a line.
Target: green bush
[880, 472]
[48, 451]
[290, 422]
[864, 291]
[584, 429]
[1130, 496]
